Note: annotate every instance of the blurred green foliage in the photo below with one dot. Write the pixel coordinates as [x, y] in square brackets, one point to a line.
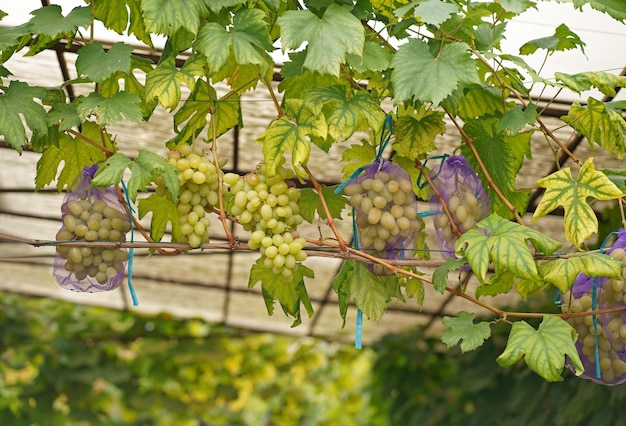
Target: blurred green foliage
[65, 364]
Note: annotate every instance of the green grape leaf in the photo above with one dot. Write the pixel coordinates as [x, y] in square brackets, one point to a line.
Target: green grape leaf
[462, 329]
[488, 36]
[563, 39]
[480, 100]
[440, 275]
[506, 244]
[599, 124]
[328, 39]
[75, 154]
[372, 293]
[164, 82]
[310, 203]
[112, 13]
[289, 294]
[514, 120]
[17, 100]
[562, 272]
[248, 39]
[375, 58]
[10, 36]
[168, 16]
[344, 115]
[497, 284]
[503, 157]
[357, 156]
[544, 349]
[144, 170]
[96, 64]
[516, 6]
[416, 131]
[297, 79]
[617, 176]
[341, 285]
[217, 5]
[163, 211]
[122, 105]
[603, 81]
[433, 12]
[50, 21]
[64, 115]
[615, 8]
[414, 288]
[285, 135]
[420, 75]
[562, 190]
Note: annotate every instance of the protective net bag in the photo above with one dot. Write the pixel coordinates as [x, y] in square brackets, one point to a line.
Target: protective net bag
[91, 214]
[605, 355]
[462, 191]
[385, 209]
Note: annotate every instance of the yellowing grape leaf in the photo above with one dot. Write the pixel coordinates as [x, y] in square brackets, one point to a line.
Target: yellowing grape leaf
[164, 81]
[248, 38]
[328, 39]
[75, 155]
[420, 75]
[602, 80]
[289, 294]
[168, 16]
[18, 100]
[286, 135]
[310, 203]
[562, 272]
[544, 349]
[344, 114]
[97, 65]
[497, 284]
[505, 243]
[357, 156]
[144, 170]
[599, 124]
[562, 190]
[462, 328]
[416, 131]
[372, 293]
[163, 211]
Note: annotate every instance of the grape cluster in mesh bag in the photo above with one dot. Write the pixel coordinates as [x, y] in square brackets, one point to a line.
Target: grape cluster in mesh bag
[610, 328]
[91, 214]
[385, 209]
[463, 193]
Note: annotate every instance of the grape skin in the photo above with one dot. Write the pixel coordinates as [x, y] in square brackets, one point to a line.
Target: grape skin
[98, 263]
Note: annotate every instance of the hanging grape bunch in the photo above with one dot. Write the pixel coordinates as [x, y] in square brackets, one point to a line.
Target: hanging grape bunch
[268, 208]
[386, 210]
[199, 191]
[91, 214]
[610, 327]
[465, 198]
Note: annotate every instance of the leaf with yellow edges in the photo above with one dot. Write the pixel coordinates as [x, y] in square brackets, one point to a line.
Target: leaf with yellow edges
[562, 190]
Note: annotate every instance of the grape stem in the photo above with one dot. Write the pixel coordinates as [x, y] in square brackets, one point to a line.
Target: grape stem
[444, 204]
[329, 219]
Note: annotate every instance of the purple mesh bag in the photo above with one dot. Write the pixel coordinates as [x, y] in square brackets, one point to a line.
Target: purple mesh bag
[465, 197]
[91, 214]
[385, 211]
[611, 327]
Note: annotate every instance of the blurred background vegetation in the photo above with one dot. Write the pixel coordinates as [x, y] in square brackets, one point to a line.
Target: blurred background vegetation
[65, 364]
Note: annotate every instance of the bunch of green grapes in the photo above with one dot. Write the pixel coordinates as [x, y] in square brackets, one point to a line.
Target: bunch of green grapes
[466, 210]
[385, 211]
[268, 208]
[611, 327]
[199, 190]
[91, 221]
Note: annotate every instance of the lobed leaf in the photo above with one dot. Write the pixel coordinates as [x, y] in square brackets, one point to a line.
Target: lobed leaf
[562, 190]
[16, 101]
[462, 329]
[563, 39]
[544, 349]
[49, 20]
[416, 131]
[122, 106]
[168, 16]
[440, 275]
[97, 65]
[562, 272]
[310, 203]
[372, 293]
[163, 211]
